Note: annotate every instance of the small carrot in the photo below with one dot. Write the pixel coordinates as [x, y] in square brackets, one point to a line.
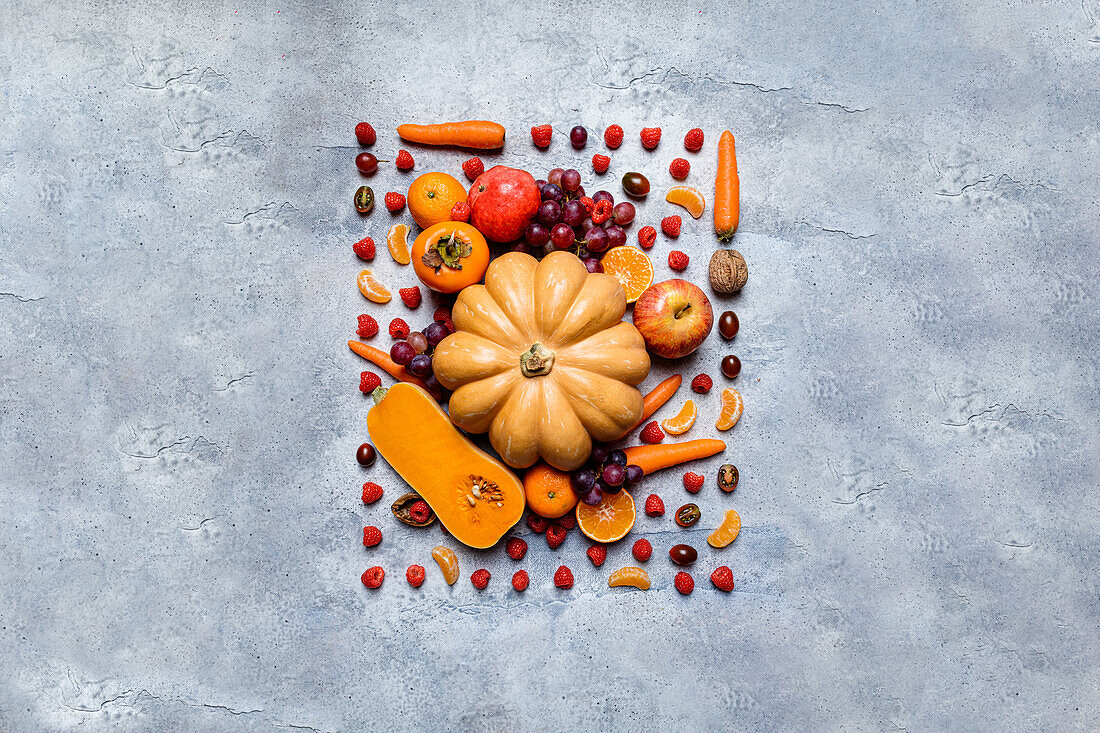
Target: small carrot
[479, 134]
[658, 396]
[382, 360]
[663, 455]
[727, 189]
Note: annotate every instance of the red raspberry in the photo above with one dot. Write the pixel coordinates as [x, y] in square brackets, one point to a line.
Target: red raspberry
[642, 550]
[684, 583]
[415, 575]
[722, 577]
[670, 225]
[677, 260]
[367, 326]
[693, 482]
[442, 315]
[693, 140]
[371, 536]
[394, 201]
[563, 578]
[569, 521]
[480, 578]
[460, 211]
[364, 133]
[602, 211]
[679, 168]
[373, 577]
[654, 507]
[541, 135]
[398, 328]
[650, 137]
[647, 237]
[613, 136]
[404, 161]
[410, 296]
[420, 511]
[536, 523]
[473, 168]
[368, 382]
[597, 554]
[516, 548]
[372, 492]
[555, 535]
[364, 249]
[520, 581]
[652, 433]
[600, 163]
[589, 204]
[701, 384]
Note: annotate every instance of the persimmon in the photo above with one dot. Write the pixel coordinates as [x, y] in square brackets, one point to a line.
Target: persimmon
[450, 256]
[549, 492]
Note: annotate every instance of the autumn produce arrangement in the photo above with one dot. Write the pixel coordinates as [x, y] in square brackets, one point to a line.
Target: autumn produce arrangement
[547, 316]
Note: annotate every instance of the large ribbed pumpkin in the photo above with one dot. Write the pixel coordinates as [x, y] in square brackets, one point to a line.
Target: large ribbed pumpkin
[542, 360]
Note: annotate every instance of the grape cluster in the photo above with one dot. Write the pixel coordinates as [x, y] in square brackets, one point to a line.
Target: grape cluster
[414, 353]
[606, 472]
[568, 220]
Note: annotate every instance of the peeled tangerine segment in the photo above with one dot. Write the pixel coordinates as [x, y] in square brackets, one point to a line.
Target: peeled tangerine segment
[398, 242]
[371, 289]
[630, 576]
[690, 198]
[732, 406]
[683, 420]
[448, 563]
[727, 531]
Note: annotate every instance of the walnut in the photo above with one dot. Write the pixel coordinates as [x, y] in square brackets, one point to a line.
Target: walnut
[728, 271]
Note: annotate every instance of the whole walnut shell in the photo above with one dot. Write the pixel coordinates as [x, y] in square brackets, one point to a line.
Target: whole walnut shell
[728, 271]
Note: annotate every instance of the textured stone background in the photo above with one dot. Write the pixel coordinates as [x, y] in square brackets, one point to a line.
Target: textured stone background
[179, 513]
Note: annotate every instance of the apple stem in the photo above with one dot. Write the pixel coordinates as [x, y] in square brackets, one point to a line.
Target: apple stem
[682, 311]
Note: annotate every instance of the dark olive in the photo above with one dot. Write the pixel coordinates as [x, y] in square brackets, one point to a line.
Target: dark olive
[635, 184]
[728, 325]
[731, 366]
[366, 455]
[364, 200]
[728, 477]
[683, 554]
[687, 515]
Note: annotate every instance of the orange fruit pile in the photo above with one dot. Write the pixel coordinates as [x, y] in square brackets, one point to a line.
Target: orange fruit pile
[631, 267]
[608, 521]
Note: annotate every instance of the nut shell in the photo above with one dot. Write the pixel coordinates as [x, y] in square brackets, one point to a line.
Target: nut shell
[728, 271]
[400, 509]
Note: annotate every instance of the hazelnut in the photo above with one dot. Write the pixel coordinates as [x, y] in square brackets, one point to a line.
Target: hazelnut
[728, 271]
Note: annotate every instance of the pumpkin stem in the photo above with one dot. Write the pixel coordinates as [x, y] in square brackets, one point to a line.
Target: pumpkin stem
[536, 361]
[379, 394]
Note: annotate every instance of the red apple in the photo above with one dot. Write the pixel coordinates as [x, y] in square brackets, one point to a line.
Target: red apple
[503, 201]
[674, 317]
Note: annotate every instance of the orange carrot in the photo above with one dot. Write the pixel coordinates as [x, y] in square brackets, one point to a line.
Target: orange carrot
[727, 189]
[479, 134]
[655, 457]
[658, 396]
[382, 360]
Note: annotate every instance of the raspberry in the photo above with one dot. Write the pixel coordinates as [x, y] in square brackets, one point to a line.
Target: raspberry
[394, 201]
[654, 507]
[364, 249]
[693, 482]
[516, 548]
[684, 583]
[398, 328]
[569, 521]
[670, 225]
[536, 523]
[410, 296]
[600, 163]
[415, 575]
[364, 133]
[367, 326]
[602, 211]
[520, 581]
[597, 554]
[420, 511]
[442, 315]
[679, 168]
[563, 578]
[722, 577]
[693, 140]
[555, 535]
[404, 161]
[541, 135]
[480, 578]
[642, 550]
[650, 137]
[677, 260]
[368, 382]
[589, 204]
[613, 136]
[372, 536]
[460, 211]
[701, 384]
[373, 577]
[372, 492]
[473, 168]
[647, 237]
[651, 433]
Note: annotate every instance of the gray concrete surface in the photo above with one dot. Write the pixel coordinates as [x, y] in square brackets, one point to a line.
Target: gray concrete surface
[179, 511]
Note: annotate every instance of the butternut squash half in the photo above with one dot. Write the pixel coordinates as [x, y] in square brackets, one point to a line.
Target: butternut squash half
[475, 496]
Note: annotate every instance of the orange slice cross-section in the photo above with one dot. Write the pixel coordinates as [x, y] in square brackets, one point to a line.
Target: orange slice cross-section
[608, 521]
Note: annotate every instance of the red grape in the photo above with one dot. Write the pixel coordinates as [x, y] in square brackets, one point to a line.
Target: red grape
[616, 237]
[573, 213]
[435, 332]
[549, 213]
[596, 239]
[536, 234]
[592, 264]
[402, 353]
[562, 236]
[551, 192]
[554, 176]
[367, 163]
[570, 180]
[578, 136]
[603, 196]
[623, 213]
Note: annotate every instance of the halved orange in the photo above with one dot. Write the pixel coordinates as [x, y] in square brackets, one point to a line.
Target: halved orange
[727, 531]
[688, 197]
[631, 267]
[371, 289]
[634, 577]
[398, 242]
[683, 420]
[448, 563]
[732, 406]
[608, 521]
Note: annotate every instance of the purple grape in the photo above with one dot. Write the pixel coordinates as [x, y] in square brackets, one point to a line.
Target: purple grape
[603, 196]
[578, 136]
[592, 264]
[561, 236]
[570, 180]
[613, 474]
[523, 247]
[436, 332]
[616, 237]
[616, 457]
[433, 384]
[598, 454]
[420, 366]
[554, 176]
[551, 192]
[549, 213]
[593, 497]
[536, 234]
[611, 489]
[623, 213]
[418, 341]
[402, 352]
[634, 474]
[541, 182]
[579, 192]
[573, 212]
[596, 239]
[583, 480]
[586, 225]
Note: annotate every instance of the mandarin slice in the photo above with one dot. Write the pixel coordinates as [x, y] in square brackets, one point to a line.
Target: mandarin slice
[629, 576]
[631, 267]
[683, 420]
[448, 563]
[688, 197]
[727, 531]
[608, 521]
[398, 242]
[371, 289]
[732, 406]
